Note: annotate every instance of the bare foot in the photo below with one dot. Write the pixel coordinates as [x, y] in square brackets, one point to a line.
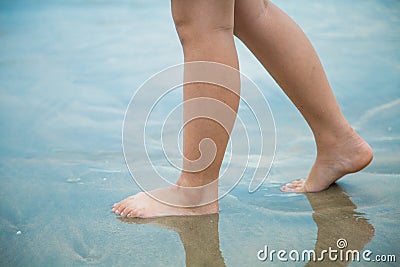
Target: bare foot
[333, 162]
[144, 206]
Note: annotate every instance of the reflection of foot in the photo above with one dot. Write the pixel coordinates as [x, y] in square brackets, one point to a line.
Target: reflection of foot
[333, 162]
[180, 224]
[144, 206]
[199, 236]
[337, 218]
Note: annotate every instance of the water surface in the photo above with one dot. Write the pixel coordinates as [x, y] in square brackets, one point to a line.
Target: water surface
[67, 72]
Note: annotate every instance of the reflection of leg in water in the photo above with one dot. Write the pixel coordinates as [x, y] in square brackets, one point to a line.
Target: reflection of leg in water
[199, 236]
[336, 218]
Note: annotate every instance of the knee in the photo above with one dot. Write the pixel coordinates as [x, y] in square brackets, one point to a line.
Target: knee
[248, 14]
[186, 28]
[238, 28]
[195, 27]
[240, 25]
[190, 34]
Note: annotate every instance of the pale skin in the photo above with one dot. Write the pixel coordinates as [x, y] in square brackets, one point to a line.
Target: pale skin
[206, 29]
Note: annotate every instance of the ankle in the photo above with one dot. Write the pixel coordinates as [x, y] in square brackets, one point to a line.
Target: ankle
[188, 179]
[338, 137]
[196, 190]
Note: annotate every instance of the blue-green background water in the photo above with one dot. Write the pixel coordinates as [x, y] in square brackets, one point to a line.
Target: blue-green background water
[67, 72]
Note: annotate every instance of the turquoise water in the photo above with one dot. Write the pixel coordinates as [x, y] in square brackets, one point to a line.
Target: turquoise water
[67, 72]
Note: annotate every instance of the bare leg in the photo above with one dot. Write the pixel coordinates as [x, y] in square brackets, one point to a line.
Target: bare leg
[205, 28]
[284, 50]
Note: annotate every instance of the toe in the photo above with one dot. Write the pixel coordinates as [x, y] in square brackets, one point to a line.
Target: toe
[295, 186]
[286, 188]
[115, 207]
[119, 209]
[126, 211]
[297, 182]
[132, 213]
[292, 189]
[120, 206]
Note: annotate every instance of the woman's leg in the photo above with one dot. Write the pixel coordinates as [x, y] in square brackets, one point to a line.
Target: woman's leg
[284, 50]
[205, 28]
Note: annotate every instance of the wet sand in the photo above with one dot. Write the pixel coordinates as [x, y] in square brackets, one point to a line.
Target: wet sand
[67, 72]
[73, 225]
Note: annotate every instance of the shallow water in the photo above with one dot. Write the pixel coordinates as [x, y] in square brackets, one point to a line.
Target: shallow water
[67, 72]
